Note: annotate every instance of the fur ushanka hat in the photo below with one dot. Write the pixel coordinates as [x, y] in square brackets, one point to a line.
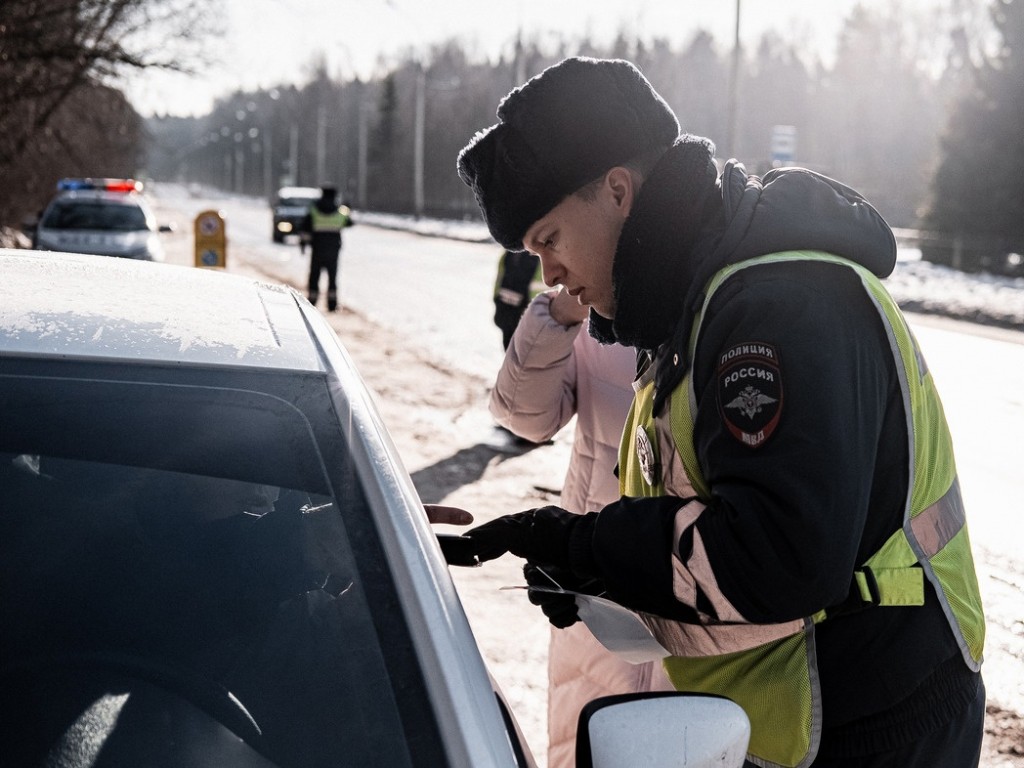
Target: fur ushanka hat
[558, 132]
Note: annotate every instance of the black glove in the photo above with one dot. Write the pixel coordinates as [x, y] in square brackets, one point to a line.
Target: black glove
[560, 608]
[543, 535]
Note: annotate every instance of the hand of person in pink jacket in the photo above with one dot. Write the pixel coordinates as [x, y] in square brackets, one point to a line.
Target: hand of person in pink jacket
[565, 309]
[439, 513]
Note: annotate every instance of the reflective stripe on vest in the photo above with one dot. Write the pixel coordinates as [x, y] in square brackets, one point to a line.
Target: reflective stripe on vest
[327, 222]
[770, 670]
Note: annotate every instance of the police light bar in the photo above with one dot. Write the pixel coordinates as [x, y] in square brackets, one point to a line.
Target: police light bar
[109, 185]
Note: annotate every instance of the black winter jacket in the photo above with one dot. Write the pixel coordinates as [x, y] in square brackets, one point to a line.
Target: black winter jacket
[790, 519]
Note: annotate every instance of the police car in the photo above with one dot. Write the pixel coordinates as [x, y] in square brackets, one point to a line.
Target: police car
[104, 217]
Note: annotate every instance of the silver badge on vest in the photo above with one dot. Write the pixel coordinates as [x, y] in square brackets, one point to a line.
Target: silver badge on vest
[645, 455]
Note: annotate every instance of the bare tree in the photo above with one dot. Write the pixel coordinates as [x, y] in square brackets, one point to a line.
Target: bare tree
[51, 50]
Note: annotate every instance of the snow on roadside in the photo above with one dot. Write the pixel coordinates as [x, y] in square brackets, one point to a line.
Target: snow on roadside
[918, 286]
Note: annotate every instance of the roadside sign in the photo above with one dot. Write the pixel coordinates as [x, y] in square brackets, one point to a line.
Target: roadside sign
[210, 240]
[783, 147]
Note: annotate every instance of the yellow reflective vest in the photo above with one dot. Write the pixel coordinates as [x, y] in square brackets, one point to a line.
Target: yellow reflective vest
[334, 221]
[770, 670]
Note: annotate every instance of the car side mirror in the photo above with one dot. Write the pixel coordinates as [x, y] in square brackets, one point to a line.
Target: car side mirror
[662, 729]
[166, 227]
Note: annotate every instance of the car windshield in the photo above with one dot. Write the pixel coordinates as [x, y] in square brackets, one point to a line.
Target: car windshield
[191, 538]
[296, 202]
[94, 214]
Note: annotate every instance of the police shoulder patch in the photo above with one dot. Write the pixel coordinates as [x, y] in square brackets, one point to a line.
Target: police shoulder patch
[750, 391]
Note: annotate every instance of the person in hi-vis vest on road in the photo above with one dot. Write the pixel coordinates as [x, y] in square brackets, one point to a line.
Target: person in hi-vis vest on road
[518, 282]
[790, 526]
[322, 230]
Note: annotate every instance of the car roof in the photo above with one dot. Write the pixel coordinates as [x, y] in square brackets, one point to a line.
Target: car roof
[116, 198]
[98, 307]
[298, 192]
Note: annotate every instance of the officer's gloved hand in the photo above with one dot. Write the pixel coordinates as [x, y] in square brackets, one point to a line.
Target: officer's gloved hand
[544, 535]
[559, 607]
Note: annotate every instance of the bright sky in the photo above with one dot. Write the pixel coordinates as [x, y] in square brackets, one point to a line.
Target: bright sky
[270, 42]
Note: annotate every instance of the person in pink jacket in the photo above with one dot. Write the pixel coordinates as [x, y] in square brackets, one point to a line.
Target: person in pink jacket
[554, 369]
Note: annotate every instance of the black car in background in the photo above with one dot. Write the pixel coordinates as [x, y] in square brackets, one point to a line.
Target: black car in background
[290, 206]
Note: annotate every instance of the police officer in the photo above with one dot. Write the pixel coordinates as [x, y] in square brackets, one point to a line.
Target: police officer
[322, 229]
[790, 527]
[519, 281]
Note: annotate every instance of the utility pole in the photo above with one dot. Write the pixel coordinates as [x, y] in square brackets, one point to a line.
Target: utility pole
[268, 166]
[321, 142]
[421, 87]
[293, 154]
[363, 144]
[519, 66]
[344, 185]
[734, 77]
[239, 186]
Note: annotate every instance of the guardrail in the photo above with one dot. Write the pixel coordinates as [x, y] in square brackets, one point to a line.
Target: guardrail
[964, 252]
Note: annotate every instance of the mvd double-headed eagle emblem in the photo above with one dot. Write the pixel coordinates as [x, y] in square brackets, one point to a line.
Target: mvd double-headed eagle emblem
[750, 400]
[750, 392]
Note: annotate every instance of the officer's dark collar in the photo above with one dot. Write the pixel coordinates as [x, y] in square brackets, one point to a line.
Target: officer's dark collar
[675, 218]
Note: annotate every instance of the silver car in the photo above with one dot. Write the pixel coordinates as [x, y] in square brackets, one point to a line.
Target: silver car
[103, 217]
[210, 553]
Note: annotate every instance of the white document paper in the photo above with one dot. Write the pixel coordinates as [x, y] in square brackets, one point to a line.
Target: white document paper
[617, 628]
